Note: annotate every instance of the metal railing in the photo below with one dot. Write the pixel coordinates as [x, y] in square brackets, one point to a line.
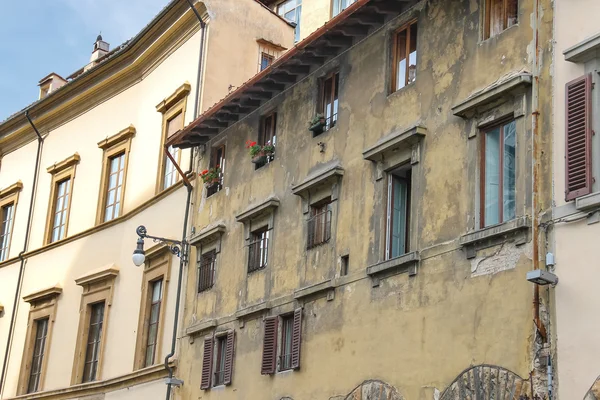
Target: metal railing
[215, 188]
[206, 272]
[330, 122]
[319, 229]
[257, 254]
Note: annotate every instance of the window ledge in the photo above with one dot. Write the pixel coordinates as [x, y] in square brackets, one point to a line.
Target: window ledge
[407, 262]
[47, 293]
[208, 234]
[322, 176]
[253, 309]
[394, 142]
[584, 51]
[255, 211]
[99, 275]
[506, 86]
[200, 326]
[478, 239]
[12, 189]
[588, 202]
[325, 286]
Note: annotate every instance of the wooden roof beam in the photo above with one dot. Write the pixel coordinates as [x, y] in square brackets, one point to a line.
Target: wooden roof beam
[355, 30]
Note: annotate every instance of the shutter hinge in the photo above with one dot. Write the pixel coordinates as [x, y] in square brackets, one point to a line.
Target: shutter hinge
[593, 179]
[593, 132]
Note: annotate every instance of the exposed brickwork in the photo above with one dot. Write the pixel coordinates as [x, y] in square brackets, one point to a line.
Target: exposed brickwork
[374, 390]
[487, 382]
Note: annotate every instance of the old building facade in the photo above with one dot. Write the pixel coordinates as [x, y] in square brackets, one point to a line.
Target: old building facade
[369, 207]
[85, 165]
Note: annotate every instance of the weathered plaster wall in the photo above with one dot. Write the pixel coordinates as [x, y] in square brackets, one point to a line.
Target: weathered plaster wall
[415, 333]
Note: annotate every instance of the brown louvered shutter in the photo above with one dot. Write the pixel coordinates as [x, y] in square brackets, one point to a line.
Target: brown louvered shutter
[229, 347]
[578, 136]
[296, 338]
[269, 356]
[207, 361]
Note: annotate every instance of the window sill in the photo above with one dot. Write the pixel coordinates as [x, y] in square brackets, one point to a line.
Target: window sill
[246, 313]
[319, 288]
[495, 234]
[198, 327]
[588, 202]
[402, 89]
[498, 35]
[405, 263]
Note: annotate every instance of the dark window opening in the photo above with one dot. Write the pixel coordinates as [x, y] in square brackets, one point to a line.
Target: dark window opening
[398, 212]
[404, 63]
[92, 353]
[206, 270]
[345, 265]
[267, 139]
[258, 249]
[39, 349]
[319, 224]
[287, 329]
[219, 378]
[328, 100]
[7, 216]
[265, 60]
[217, 161]
[155, 304]
[61, 209]
[499, 16]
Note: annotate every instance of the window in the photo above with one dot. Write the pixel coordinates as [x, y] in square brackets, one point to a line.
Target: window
[498, 174]
[217, 160]
[155, 306]
[60, 210]
[259, 246]
[291, 10]
[267, 136]
[499, 15]
[92, 351]
[319, 224]
[206, 270]
[221, 346]
[7, 217]
[114, 174]
[404, 57]
[328, 102]
[41, 333]
[63, 175]
[398, 212]
[220, 364]
[345, 265]
[288, 328]
[340, 5]
[170, 172]
[265, 60]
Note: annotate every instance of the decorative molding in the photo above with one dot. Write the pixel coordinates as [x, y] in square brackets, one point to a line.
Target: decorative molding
[268, 43]
[396, 141]
[244, 313]
[493, 95]
[327, 286]
[588, 202]
[43, 294]
[407, 262]
[100, 275]
[198, 327]
[12, 189]
[322, 177]
[584, 51]
[479, 238]
[256, 211]
[117, 138]
[181, 92]
[208, 234]
[64, 164]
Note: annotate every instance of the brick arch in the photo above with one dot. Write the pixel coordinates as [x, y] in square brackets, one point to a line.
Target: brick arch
[594, 392]
[374, 390]
[487, 382]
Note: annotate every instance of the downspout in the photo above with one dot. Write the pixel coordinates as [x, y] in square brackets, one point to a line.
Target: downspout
[536, 155]
[189, 187]
[25, 247]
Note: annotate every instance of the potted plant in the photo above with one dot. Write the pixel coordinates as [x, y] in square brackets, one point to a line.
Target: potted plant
[211, 176]
[268, 150]
[256, 152]
[317, 124]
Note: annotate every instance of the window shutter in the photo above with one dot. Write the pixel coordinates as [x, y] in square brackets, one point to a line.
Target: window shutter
[296, 338]
[229, 357]
[207, 361]
[578, 136]
[269, 357]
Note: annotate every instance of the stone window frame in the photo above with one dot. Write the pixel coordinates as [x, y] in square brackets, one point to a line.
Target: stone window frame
[113, 146]
[43, 304]
[60, 171]
[506, 99]
[156, 267]
[10, 195]
[397, 149]
[206, 240]
[98, 286]
[170, 107]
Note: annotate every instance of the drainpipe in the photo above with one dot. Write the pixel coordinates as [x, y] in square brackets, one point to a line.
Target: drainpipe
[189, 187]
[536, 156]
[23, 261]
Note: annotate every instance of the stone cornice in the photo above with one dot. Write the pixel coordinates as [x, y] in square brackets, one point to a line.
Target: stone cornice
[180, 93]
[208, 234]
[64, 164]
[100, 275]
[321, 177]
[255, 211]
[394, 141]
[117, 138]
[43, 294]
[12, 189]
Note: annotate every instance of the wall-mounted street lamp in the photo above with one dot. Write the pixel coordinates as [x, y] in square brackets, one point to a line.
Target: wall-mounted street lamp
[139, 255]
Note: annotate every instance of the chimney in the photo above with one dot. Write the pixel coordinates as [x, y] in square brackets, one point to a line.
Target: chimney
[101, 48]
[50, 83]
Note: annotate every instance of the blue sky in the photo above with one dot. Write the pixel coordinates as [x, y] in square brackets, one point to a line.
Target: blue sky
[42, 36]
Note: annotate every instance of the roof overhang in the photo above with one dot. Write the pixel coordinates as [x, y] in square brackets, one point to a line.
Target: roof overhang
[342, 32]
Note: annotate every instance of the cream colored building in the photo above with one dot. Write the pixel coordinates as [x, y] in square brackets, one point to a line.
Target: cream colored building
[575, 224]
[86, 321]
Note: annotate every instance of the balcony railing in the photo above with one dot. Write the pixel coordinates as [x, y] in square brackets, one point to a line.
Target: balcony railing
[257, 255]
[330, 122]
[206, 273]
[319, 229]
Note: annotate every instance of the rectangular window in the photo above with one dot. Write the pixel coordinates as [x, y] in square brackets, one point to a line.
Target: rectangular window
[219, 378]
[60, 210]
[265, 60]
[319, 224]
[258, 249]
[287, 328]
[39, 349]
[498, 175]
[345, 265]
[155, 305]
[217, 161]
[398, 212]
[404, 57]
[328, 102]
[499, 16]
[170, 172]
[267, 137]
[114, 187]
[7, 215]
[92, 351]
[292, 11]
[340, 5]
[206, 270]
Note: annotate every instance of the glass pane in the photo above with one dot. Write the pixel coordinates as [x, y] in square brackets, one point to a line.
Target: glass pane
[412, 58]
[154, 311]
[398, 223]
[117, 209]
[297, 29]
[512, 12]
[327, 88]
[149, 355]
[112, 181]
[61, 188]
[492, 178]
[61, 232]
[59, 203]
[152, 334]
[110, 199]
[335, 98]
[156, 291]
[508, 176]
[401, 60]
[108, 214]
[114, 164]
